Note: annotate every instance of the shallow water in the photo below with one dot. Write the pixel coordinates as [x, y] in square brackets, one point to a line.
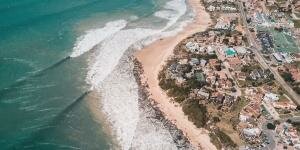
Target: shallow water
[42, 101]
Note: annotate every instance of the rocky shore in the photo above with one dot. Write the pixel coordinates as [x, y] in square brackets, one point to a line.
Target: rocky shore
[156, 116]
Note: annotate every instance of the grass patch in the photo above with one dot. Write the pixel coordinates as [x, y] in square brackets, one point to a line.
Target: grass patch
[221, 139]
[239, 105]
[215, 140]
[296, 23]
[225, 139]
[197, 113]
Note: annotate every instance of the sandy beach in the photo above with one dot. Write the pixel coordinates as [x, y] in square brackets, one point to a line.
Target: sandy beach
[153, 58]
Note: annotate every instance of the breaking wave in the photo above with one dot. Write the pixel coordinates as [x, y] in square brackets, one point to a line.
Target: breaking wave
[110, 73]
[95, 36]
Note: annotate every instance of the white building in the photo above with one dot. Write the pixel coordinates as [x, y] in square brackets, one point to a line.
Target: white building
[271, 97]
[278, 57]
[251, 132]
[193, 47]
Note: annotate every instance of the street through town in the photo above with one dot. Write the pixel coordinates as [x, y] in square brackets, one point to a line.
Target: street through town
[255, 48]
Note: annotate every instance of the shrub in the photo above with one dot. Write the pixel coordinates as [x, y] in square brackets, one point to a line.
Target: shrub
[196, 112]
[215, 140]
[216, 119]
[271, 126]
[225, 139]
[249, 68]
[287, 77]
[297, 89]
[179, 93]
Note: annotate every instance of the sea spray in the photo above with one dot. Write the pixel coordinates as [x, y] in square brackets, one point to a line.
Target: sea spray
[111, 50]
[154, 116]
[173, 11]
[38, 36]
[134, 121]
[137, 123]
[95, 36]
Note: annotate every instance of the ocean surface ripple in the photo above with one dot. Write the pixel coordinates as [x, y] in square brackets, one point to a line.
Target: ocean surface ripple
[111, 74]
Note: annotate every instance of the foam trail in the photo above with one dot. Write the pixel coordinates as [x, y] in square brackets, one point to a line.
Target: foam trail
[112, 50]
[121, 105]
[95, 36]
[113, 47]
[173, 11]
[112, 76]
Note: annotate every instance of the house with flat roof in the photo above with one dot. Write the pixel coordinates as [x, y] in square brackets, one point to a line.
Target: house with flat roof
[271, 97]
[251, 133]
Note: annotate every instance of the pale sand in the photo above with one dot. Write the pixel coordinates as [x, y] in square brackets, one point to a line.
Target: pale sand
[153, 58]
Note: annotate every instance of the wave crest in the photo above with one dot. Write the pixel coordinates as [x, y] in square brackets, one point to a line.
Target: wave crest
[93, 37]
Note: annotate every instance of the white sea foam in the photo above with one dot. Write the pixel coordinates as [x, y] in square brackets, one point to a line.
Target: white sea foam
[95, 36]
[173, 11]
[111, 74]
[117, 84]
[120, 103]
[111, 51]
[166, 14]
[133, 18]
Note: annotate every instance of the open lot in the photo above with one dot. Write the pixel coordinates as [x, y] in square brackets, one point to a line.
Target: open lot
[284, 42]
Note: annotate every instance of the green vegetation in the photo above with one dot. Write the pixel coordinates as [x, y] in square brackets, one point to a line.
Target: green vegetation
[259, 82]
[215, 140]
[219, 137]
[179, 92]
[216, 119]
[296, 125]
[287, 77]
[239, 104]
[250, 82]
[297, 23]
[249, 68]
[284, 42]
[225, 139]
[296, 89]
[196, 112]
[171, 80]
[271, 126]
[193, 83]
[205, 57]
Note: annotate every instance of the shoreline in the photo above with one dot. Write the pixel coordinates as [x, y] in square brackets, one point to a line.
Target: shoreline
[99, 117]
[157, 116]
[153, 57]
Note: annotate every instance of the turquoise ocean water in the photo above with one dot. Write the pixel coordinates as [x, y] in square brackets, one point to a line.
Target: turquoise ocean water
[40, 90]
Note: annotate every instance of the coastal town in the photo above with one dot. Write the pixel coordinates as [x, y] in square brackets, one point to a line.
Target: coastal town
[240, 78]
[150, 75]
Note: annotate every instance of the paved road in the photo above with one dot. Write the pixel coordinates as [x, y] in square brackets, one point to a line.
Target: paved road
[256, 50]
[271, 136]
[271, 110]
